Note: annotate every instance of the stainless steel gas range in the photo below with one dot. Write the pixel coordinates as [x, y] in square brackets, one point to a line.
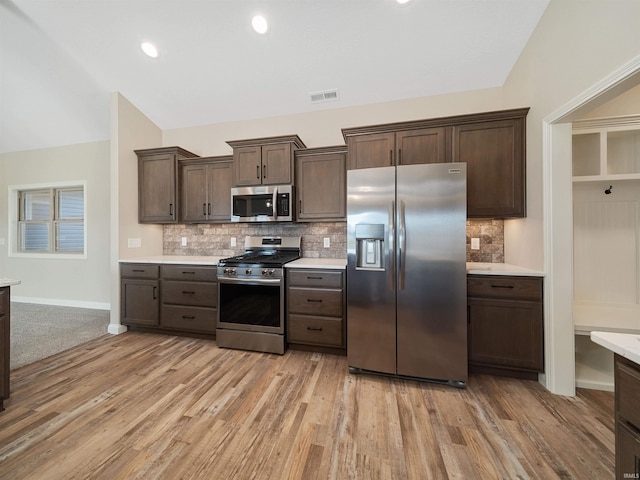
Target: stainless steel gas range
[251, 293]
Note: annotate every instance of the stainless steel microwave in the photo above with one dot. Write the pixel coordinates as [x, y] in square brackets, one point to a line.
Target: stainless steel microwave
[262, 203]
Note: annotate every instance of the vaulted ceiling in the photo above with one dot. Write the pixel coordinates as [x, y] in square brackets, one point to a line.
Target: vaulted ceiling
[60, 59]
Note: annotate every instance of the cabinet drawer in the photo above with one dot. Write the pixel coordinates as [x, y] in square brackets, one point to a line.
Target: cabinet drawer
[312, 301]
[315, 330]
[526, 288]
[190, 293]
[315, 278]
[189, 318]
[139, 270]
[189, 273]
[627, 392]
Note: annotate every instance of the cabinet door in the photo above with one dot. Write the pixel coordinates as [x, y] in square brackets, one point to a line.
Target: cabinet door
[494, 154]
[506, 333]
[157, 188]
[627, 451]
[4, 344]
[372, 150]
[219, 191]
[194, 193]
[321, 187]
[428, 145]
[276, 164]
[247, 166]
[139, 302]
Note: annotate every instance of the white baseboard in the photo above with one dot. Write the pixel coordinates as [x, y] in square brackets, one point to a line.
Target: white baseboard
[116, 329]
[591, 385]
[62, 303]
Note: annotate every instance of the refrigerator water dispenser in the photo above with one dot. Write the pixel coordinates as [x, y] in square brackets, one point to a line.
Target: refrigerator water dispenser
[369, 246]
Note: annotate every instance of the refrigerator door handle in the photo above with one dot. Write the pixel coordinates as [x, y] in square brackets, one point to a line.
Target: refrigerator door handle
[402, 246]
[392, 236]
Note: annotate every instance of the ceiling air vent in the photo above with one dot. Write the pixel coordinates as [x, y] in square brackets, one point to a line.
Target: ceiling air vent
[326, 96]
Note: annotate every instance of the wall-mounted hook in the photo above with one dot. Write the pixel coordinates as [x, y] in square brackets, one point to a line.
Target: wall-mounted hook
[608, 190]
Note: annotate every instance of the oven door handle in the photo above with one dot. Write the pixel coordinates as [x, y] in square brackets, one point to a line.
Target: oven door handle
[251, 281]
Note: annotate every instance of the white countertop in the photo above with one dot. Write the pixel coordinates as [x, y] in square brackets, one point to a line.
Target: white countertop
[7, 282]
[478, 268]
[327, 263]
[175, 259]
[624, 344]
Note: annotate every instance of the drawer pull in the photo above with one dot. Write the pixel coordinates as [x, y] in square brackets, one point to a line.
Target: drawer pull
[314, 300]
[315, 329]
[138, 270]
[314, 278]
[501, 286]
[188, 293]
[188, 317]
[188, 273]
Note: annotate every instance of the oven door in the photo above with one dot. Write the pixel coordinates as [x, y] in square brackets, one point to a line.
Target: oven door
[255, 305]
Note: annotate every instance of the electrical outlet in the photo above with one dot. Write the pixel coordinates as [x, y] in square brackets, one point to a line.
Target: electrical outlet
[134, 242]
[184, 241]
[327, 242]
[233, 241]
[475, 244]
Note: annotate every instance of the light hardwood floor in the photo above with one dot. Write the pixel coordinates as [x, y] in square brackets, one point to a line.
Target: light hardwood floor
[151, 406]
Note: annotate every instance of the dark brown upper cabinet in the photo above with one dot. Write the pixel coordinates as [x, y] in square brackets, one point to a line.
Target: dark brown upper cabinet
[427, 145]
[264, 161]
[492, 144]
[205, 185]
[494, 152]
[157, 183]
[321, 180]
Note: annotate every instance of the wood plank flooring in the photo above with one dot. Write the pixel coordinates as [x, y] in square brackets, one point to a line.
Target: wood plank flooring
[145, 406]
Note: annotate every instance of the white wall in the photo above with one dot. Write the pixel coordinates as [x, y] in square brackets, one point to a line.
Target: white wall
[130, 130]
[576, 46]
[323, 128]
[73, 282]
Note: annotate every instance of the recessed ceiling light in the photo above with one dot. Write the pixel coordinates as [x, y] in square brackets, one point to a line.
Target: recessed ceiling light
[259, 24]
[403, 2]
[149, 49]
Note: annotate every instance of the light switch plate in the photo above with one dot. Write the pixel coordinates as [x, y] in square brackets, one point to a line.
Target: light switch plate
[233, 241]
[184, 241]
[327, 242]
[134, 242]
[475, 244]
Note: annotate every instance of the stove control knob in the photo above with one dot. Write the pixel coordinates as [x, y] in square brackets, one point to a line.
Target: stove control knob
[265, 272]
[271, 272]
[248, 271]
[226, 270]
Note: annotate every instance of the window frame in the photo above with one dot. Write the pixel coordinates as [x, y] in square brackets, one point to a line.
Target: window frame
[15, 205]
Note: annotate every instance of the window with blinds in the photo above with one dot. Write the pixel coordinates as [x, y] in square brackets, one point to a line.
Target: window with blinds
[51, 220]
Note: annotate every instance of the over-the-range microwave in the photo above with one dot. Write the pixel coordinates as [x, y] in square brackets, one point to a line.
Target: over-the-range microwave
[262, 203]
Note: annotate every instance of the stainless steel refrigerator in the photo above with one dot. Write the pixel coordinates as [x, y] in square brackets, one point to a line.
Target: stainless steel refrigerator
[406, 271]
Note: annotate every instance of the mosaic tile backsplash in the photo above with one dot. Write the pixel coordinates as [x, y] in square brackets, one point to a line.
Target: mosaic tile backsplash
[215, 239]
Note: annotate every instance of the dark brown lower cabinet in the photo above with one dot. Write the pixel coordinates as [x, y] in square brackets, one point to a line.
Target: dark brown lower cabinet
[505, 325]
[139, 294]
[627, 407]
[316, 310]
[175, 299]
[5, 318]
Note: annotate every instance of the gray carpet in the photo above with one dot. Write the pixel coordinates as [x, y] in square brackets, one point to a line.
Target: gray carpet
[39, 331]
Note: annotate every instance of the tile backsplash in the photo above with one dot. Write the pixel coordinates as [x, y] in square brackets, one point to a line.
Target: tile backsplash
[215, 239]
[491, 235]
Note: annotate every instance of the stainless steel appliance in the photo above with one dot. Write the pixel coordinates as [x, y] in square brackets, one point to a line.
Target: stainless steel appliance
[262, 203]
[406, 273]
[251, 289]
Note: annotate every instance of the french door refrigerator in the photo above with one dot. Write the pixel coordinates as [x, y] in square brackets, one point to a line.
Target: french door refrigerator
[406, 271]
